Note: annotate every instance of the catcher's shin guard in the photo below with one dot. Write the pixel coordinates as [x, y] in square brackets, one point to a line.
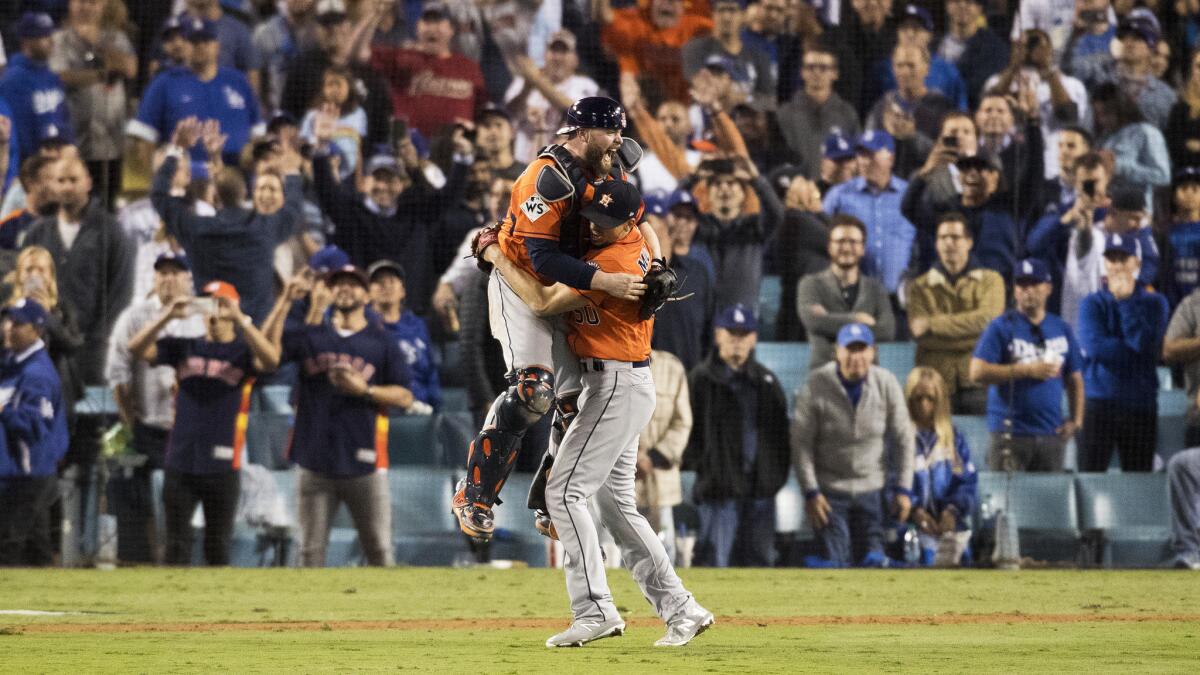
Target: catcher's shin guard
[494, 450]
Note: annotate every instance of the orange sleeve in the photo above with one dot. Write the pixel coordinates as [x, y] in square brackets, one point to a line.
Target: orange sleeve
[623, 36]
[531, 215]
[730, 140]
[652, 132]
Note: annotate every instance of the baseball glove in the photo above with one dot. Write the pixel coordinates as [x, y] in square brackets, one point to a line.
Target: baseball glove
[487, 235]
[661, 284]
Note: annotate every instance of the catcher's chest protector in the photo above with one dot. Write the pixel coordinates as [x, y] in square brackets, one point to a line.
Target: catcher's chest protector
[568, 180]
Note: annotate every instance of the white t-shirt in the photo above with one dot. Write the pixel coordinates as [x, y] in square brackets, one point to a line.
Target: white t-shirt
[536, 127]
[652, 175]
[1050, 126]
[68, 232]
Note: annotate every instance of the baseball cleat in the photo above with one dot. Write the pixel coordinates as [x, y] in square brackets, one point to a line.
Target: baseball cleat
[582, 632]
[681, 632]
[543, 524]
[475, 520]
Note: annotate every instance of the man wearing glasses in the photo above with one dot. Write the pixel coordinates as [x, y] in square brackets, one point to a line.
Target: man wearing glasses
[1027, 356]
[816, 110]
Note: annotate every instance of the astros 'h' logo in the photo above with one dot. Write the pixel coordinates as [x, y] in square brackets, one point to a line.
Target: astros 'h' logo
[605, 200]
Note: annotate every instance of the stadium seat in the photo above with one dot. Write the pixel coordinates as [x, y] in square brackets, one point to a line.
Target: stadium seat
[897, 357]
[450, 364]
[1133, 513]
[1172, 422]
[454, 399]
[97, 401]
[687, 486]
[267, 436]
[276, 398]
[979, 439]
[770, 295]
[412, 440]
[1043, 507]
[789, 362]
[1164, 378]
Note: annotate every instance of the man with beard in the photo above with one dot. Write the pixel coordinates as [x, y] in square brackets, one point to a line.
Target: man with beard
[351, 372]
[93, 260]
[545, 234]
[37, 179]
[494, 142]
[33, 92]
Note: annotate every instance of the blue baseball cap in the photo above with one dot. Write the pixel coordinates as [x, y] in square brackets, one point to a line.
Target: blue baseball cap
[855, 333]
[1187, 174]
[837, 147]
[383, 162]
[919, 15]
[34, 25]
[657, 202]
[328, 257]
[1031, 269]
[172, 258]
[876, 140]
[196, 29]
[737, 317]
[1124, 244]
[25, 311]
[681, 197]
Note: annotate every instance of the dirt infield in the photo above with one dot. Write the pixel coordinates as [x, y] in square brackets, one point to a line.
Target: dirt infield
[550, 624]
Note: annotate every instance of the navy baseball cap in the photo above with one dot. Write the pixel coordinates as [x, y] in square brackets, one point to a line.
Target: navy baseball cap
[386, 266]
[719, 63]
[1128, 199]
[1031, 269]
[920, 15]
[657, 202]
[1139, 27]
[982, 159]
[837, 147]
[348, 271]
[490, 109]
[434, 11]
[855, 333]
[1123, 244]
[172, 258]
[196, 29]
[328, 257]
[681, 197]
[25, 311]
[34, 25]
[615, 203]
[170, 26]
[281, 118]
[1188, 174]
[383, 162]
[737, 317]
[875, 140]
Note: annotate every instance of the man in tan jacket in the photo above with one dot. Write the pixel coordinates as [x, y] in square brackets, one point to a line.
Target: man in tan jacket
[661, 446]
[948, 309]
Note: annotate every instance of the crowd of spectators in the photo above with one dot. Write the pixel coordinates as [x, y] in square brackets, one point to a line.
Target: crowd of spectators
[1012, 186]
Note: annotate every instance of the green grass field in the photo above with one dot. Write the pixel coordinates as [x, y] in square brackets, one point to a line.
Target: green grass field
[486, 621]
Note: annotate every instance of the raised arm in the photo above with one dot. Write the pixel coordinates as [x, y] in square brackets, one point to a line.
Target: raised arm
[543, 300]
[142, 344]
[264, 351]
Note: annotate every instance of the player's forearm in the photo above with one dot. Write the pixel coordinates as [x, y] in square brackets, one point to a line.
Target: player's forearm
[651, 238]
[542, 300]
[550, 262]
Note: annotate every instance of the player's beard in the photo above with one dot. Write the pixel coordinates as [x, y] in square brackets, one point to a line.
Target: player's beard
[599, 160]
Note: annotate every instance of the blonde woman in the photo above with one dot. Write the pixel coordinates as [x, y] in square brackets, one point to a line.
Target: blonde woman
[944, 479]
[34, 278]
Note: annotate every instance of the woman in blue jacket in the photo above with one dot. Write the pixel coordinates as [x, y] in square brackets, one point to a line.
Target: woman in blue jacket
[944, 478]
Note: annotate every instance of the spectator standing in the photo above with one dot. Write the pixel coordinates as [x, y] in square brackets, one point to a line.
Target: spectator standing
[145, 399]
[684, 328]
[494, 143]
[215, 378]
[851, 439]
[1183, 124]
[1058, 192]
[93, 258]
[236, 244]
[647, 42]
[734, 237]
[34, 94]
[915, 28]
[661, 446]
[237, 49]
[34, 419]
[738, 448]
[1019, 149]
[1183, 476]
[801, 249]
[278, 41]
[751, 66]
[839, 162]
[93, 57]
[841, 295]
[537, 98]
[37, 180]
[972, 46]
[874, 198]
[1121, 328]
[430, 85]
[351, 373]
[1181, 263]
[388, 297]
[1088, 52]
[926, 106]
[1028, 358]
[816, 111]
[944, 477]
[1137, 146]
[948, 309]
[205, 89]
[340, 99]
[1132, 73]
[863, 40]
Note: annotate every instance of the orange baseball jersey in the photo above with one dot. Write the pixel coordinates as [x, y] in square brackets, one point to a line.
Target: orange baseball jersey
[607, 327]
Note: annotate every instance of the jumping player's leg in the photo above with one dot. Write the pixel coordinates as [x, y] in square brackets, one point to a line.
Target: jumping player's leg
[568, 385]
[527, 342]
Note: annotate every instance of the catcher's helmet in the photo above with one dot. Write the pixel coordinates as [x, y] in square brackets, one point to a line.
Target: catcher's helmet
[593, 112]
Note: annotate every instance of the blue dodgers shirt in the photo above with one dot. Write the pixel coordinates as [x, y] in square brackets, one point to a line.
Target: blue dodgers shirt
[1037, 405]
[177, 94]
[335, 433]
[14, 157]
[38, 103]
[1184, 275]
[412, 336]
[212, 406]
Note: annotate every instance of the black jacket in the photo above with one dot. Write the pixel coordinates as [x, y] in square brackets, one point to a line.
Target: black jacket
[714, 449]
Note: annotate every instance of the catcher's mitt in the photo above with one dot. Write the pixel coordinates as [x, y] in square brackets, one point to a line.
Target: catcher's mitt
[661, 284]
[485, 237]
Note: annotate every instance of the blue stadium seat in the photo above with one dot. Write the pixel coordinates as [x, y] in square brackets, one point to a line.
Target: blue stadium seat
[770, 296]
[276, 398]
[979, 439]
[96, 400]
[687, 486]
[267, 437]
[412, 440]
[454, 399]
[1164, 378]
[897, 357]
[1132, 510]
[789, 362]
[1172, 422]
[1044, 508]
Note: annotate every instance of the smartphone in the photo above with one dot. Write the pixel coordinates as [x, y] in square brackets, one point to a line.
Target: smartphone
[203, 305]
[399, 130]
[950, 142]
[1089, 188]
[34, 284]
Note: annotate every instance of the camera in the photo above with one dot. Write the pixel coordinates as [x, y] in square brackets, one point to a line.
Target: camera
[1089, 188]
[950, 142]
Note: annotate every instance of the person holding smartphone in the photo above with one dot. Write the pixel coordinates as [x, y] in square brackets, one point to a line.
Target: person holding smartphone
[214, 375]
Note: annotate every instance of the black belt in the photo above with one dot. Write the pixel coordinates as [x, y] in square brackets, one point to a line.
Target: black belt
[598, 364]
